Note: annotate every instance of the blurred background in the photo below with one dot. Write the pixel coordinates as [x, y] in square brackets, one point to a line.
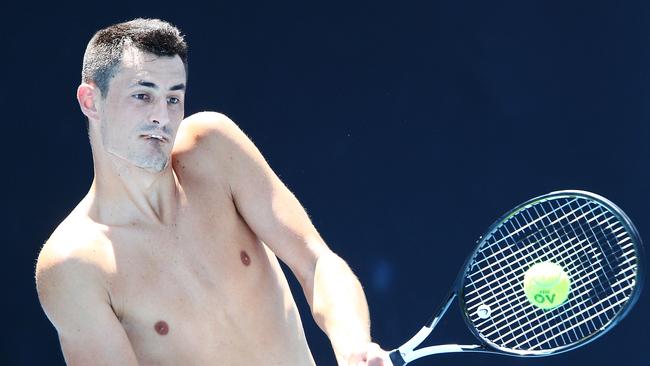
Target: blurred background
[405, 129]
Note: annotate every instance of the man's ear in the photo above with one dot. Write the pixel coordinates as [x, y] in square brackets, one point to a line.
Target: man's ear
[88, 97]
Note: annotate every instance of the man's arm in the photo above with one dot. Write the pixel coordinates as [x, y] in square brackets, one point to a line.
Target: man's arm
[333, 292]
[71, 292]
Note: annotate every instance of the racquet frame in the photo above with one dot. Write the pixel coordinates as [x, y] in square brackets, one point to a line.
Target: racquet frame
[407, 352]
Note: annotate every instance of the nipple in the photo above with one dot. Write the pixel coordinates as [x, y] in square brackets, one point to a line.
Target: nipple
[161, 327]
[245, 258]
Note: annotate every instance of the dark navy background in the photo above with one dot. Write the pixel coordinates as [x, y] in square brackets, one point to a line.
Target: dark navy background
[405, 129]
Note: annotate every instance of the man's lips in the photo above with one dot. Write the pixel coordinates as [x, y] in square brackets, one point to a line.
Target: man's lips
[155, 136]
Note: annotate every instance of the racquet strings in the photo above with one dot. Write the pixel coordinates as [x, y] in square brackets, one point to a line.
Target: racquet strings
[582, 235]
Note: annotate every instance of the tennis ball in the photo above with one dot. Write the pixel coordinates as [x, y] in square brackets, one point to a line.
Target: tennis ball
[546, 285]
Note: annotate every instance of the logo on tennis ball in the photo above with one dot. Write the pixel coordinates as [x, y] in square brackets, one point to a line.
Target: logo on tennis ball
[546, 285]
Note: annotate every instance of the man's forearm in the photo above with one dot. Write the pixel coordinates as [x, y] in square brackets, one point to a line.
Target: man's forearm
[339, 306]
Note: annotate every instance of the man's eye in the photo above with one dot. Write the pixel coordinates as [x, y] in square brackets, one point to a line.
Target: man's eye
[173, 100]
[143, 97]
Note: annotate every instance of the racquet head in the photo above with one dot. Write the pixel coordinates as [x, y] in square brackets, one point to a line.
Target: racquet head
[589, 237]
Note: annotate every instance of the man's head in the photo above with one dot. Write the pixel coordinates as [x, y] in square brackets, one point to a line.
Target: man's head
[133, 88]
[104, 51]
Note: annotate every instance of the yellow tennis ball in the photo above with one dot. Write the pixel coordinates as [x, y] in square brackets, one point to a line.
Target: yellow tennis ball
[546, 285]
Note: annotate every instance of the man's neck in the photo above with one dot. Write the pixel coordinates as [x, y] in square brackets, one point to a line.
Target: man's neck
[122, 193]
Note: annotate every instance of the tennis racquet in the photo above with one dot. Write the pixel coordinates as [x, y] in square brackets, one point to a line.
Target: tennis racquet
[587, 235]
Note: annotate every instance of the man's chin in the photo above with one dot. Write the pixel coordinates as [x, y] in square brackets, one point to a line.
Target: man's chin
[154, 166]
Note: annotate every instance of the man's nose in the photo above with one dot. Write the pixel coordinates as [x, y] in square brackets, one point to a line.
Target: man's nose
[160, 114]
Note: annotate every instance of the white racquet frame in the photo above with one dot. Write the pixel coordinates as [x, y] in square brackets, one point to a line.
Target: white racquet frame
[633, 248]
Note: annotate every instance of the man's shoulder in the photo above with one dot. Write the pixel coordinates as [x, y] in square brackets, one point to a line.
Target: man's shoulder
[207, 137]
[72, 271]
[76, 249]
[206, 127]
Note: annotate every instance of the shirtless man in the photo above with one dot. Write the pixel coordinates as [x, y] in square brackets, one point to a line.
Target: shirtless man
[170, 259]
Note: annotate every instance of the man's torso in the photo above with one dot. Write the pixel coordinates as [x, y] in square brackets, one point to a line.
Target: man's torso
[202, 290]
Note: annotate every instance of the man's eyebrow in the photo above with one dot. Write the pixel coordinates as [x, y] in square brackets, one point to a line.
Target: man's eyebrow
[149, 84]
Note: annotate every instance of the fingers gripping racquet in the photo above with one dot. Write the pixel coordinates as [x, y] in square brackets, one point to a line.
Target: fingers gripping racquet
[583, 234]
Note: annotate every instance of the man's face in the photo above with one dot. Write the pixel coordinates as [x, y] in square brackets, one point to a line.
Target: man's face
[144, 106]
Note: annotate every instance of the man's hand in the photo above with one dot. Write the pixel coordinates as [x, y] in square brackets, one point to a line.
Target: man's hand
[369, 354]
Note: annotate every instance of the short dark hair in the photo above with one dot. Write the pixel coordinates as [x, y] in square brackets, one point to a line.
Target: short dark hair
[104, 51]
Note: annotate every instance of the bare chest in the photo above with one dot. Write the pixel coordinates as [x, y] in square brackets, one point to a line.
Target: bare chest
[186, 292]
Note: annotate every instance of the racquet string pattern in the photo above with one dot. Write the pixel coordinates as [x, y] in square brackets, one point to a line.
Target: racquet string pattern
[586, 239]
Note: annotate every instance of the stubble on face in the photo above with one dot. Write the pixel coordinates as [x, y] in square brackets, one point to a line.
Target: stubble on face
[128, 119]
[154, 162]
